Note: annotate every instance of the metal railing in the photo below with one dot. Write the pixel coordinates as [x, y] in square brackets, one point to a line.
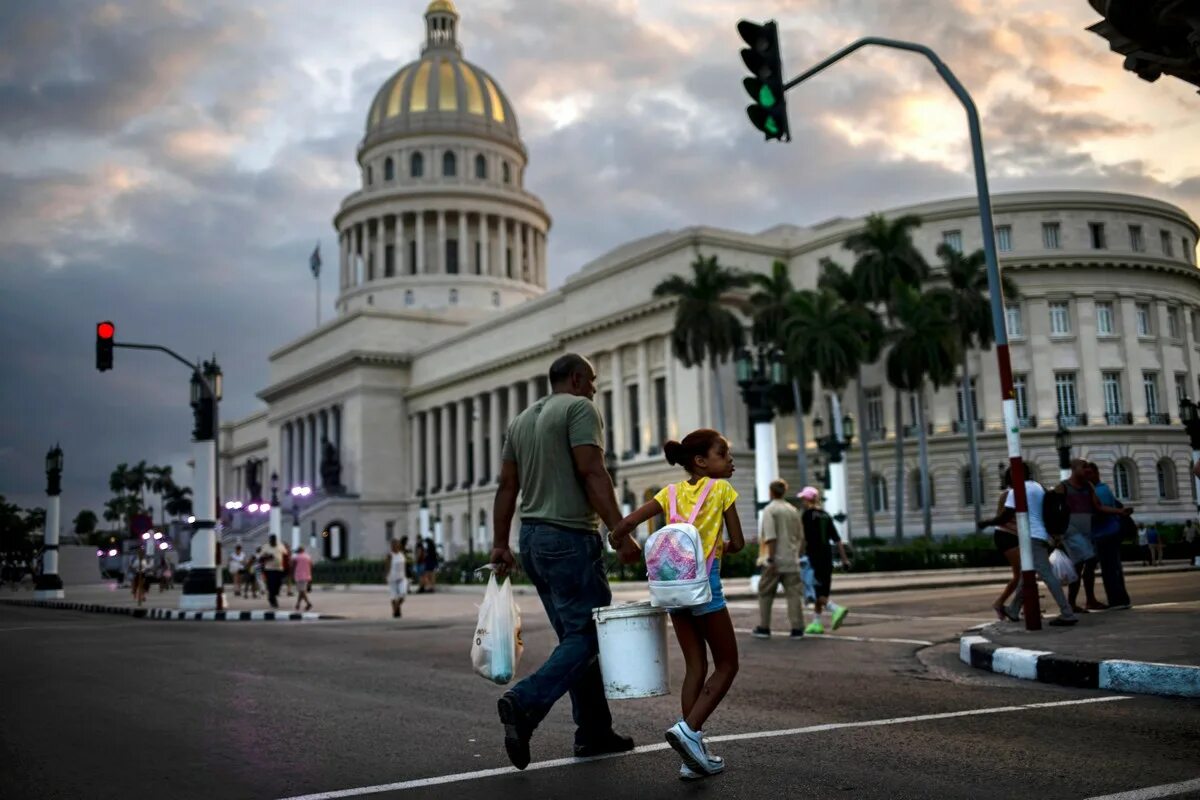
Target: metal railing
[1027, 422]
[1120, 418]
[960, 425]
[1074, 420]
[1158, 419]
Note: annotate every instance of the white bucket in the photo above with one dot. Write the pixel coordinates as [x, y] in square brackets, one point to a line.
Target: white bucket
[633, 650]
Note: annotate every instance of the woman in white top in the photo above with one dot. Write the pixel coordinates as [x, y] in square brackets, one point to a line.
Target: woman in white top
[398, 574]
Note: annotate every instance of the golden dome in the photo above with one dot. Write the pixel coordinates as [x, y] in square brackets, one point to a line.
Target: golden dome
[444, 6]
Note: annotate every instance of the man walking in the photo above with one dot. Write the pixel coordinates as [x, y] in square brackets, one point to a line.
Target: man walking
[273, 562]
[554, 458]
[1106, 537]
[237, 565]
[1039, 537]
[781, 543]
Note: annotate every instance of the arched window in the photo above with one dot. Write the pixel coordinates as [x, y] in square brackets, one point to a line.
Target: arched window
[481, 167]
[506, 172]
[416, 165]
[879, 496]
[1165, 472]
[454, 297]
[1124, 480]
[449, 165]
[408, 298]
[916, 491]
[389, 169]
[496, 299]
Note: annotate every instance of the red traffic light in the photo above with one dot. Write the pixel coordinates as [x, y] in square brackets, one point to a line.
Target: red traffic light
[104, 345]
[105, 330]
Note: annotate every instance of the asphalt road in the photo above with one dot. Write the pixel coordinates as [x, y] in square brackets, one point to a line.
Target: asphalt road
[97, 707]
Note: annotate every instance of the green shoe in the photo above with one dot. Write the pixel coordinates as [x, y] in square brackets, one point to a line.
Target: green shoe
[838, 616]
[814, 627]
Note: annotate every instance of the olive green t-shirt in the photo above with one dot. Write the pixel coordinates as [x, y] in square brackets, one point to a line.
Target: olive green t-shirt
[540, 440]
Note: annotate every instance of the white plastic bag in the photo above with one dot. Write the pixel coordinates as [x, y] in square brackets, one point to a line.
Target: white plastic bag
[496, 648]
[1064, 570]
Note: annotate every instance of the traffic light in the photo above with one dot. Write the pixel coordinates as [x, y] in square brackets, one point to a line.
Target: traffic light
[768, 112]
[104, 345]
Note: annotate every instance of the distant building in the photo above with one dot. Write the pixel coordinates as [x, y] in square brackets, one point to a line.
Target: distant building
[445, 330]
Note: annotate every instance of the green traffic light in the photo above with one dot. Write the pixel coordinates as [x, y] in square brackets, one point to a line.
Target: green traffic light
[766, 98]
[772, 127]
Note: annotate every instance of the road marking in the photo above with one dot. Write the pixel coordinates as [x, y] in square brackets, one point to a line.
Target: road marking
[96, 626]
[845, 638]
[1163, 790]
[422, 783]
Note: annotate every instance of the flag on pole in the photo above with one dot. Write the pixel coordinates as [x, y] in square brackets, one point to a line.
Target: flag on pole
[314, 261]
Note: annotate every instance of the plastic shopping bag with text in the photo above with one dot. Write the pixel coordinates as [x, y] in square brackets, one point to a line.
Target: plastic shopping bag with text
[496, 648]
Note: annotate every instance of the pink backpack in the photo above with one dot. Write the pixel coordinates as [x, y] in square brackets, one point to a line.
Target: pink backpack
[676, 567]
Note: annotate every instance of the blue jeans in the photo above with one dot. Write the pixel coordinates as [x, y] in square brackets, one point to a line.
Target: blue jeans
[567, 568]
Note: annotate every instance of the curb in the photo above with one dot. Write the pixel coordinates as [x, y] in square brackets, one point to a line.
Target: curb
[171, 613]
[1138, 677]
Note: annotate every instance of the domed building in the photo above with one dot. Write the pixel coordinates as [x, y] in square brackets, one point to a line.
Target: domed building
[395, 410]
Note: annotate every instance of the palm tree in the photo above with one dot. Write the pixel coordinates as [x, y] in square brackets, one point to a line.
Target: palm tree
[85, 522]
[138, 481]
[160, 481]
[834, 277]
[770, 305]
[118, 481]
[924, 347]
[179, 501]
[972, 313]
[887, 260]
[705, 329]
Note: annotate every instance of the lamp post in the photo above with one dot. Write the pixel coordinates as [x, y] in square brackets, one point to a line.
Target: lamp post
[49, 585]
[304, 491]
[1062, 443]
[423, 522]
[200, 590]
[1190, 416]
[759, 372]
[834, 447]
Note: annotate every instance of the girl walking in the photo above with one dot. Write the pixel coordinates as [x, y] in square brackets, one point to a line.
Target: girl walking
[1005, 539]
[398, 574]
[706, 629]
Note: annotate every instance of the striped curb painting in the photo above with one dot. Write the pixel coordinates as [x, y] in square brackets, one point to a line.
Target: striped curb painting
[1140, 677]
[174, 614]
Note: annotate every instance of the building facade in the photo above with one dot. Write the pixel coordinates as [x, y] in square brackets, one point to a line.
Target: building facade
[445, 329]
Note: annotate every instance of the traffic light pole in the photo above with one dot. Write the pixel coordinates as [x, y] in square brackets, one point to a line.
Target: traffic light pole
[202, 586]
[1033, 618]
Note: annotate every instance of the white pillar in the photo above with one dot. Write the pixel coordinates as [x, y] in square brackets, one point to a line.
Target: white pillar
[343, 259]
[431, 479]
[464, 251]
[495, 434]
[672, 431]
[618, 406]
[416, 431]
[477, 457]
[645, 417]
[311, 424]
[766, 460]
[356, 255]
[398, 257]
[518, 250]
[460, 443]
[200, 589]
[380, 246]
[539, 239]
[48, 585]
[514, 403]
[441, 243]
[419, 234]
[445, 449]
[484, 261]
[502, 269]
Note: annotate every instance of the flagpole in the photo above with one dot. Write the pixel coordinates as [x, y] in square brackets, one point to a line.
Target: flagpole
[318, 279]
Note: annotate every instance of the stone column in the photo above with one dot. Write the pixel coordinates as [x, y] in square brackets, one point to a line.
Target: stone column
[356, 252]
[514, 403]
[313, 455]
[672, 431]
[380, 247]
[518, 250]
[343, 259]
[495, 432]
[543, 267]
[431, 479]
[478, 456]
[298, 458]
[416, 442]
[484, 261]
[460, 443]
[445, 447]
[617, 423]
[645, 417]
[1132, 347]
[464, 250]
[532, 390]
[419, 234]
[502, 269]
[440, 260]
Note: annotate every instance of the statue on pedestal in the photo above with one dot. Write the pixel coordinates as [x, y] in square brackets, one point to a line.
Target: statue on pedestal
[331, 468]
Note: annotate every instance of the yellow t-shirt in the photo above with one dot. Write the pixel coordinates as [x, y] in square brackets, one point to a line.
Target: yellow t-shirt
[711, 518]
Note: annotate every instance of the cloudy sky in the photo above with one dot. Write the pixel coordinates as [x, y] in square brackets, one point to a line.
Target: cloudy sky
[169, 164]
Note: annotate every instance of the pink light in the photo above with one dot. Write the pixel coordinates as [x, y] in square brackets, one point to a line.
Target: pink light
[253, 507]
[163, 545]
[112, 552]
[265, 507]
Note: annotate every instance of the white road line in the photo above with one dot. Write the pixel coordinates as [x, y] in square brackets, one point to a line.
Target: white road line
[845, 638]
[1163, 790]
[422, 783]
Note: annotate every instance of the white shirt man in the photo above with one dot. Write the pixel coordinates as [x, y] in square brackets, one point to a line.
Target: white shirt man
[1035, 496]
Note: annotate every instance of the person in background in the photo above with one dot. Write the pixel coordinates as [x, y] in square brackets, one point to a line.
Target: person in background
[143, 570]
[419, 565]
[1189, 538]
[818, 531]
[166, 575]
[1154, 542]
[302, 572]
[1144, 544]
[287, 567]
[1035, 495]
[781, 537]
[274, 562]
[397, 578]
[1005, 538]
[256, 571]
[1083, 505]
[237, 566]
[1106, 537]
[431, 565]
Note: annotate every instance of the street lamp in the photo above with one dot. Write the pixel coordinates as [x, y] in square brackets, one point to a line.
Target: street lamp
[834, 447]
[48, 585]
[1191, 423]
[304, 491]
[202, 589]
[759, 373]
[1062, 443]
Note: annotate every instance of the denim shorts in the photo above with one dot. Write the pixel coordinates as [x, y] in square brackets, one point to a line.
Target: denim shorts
[718, 596]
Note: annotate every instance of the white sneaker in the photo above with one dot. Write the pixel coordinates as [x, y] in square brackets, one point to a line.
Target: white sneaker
[690, 746]
[686, 773]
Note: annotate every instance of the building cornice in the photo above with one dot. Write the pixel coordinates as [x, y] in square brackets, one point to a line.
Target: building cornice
[1091, 259]
[416, 315]
[451, 196]
[331, 367]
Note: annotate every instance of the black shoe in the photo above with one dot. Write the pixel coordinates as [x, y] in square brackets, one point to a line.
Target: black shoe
[611, 742]
[760, 632]
[797, 633]
[1063, 622]
[517, 730]
[395, 613]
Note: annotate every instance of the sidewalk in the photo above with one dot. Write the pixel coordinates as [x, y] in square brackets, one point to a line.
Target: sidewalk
[1153, 649]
